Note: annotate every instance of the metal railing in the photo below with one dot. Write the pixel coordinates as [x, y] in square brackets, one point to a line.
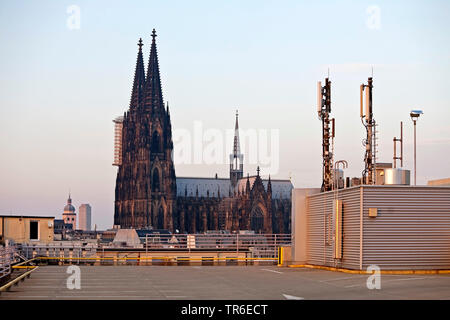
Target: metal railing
[60, 250]
[7, 258]
[254, 246]
[260, 245]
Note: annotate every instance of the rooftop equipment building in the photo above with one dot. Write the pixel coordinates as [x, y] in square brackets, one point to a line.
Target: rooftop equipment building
[392, 226]
[384, 222]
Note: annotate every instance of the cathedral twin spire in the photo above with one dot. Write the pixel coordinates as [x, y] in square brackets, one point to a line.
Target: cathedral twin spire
[147, 92]
[137, 94]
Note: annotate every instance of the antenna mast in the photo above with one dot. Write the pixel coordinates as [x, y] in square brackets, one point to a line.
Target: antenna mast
[369, 173]
[401, 147]
[323, 110]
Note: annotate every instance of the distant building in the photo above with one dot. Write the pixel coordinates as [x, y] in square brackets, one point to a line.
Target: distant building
[60, 229]
[26, 229]
[60, 226]
[439, 182]
[69, 215]
[84, 222]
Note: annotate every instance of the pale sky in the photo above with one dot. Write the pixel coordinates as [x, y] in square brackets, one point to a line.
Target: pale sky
[61, 87]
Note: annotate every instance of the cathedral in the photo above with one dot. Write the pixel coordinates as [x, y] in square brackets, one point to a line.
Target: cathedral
[149, 195]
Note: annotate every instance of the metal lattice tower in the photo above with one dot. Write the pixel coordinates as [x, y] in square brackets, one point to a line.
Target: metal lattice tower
[323, 110]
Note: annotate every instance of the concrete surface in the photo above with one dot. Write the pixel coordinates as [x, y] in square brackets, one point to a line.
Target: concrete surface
[222, 282]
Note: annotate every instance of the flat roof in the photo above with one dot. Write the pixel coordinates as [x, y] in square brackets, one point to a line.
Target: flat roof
[243, 282]
[386, 186]
[13, 216]
[439, 182]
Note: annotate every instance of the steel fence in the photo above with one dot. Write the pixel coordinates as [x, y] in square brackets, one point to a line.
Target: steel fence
[260, 245]
[58, 250]
[255, 245]
[7, 258]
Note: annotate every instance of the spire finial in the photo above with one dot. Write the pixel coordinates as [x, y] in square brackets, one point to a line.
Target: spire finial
[137, 91]
[257, 170]
[153, 99]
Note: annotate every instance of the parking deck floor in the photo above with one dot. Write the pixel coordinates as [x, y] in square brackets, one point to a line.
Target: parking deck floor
[222, 283]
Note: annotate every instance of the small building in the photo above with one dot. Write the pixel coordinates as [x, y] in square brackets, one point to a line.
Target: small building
[127, 238]
[108, 235]
[439, 182]
[61, 227]
[395, 227]
[26, 229]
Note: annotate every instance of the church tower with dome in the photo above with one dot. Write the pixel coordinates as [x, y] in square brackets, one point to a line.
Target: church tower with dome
[69, 215]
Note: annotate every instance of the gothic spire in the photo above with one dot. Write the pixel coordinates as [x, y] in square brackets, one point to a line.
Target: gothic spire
[236, 158]
[137, 94]
[236, 146]
[153, 99]
[247, 185]
[269, 186]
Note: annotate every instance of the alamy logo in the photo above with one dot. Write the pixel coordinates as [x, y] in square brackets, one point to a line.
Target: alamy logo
[373, 21]
[73, 21]
[74, 280]
[374, 280]
[212, 146]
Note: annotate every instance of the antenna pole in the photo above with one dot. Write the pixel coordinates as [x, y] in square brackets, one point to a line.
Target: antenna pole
[415, 167]
[324, 109]
[401, 147]
[369, 173]
[401, 144]
[394, 162]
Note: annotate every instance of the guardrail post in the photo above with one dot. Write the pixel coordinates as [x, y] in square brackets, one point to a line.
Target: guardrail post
[275, 243]
[237, 244]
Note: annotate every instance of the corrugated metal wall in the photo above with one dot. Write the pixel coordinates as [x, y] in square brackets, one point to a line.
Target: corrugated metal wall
[411, 231]
[321, 228]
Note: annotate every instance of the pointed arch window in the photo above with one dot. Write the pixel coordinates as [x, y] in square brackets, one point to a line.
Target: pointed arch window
[160, 219]
[257, 220]
[155, 180]
[156, 146]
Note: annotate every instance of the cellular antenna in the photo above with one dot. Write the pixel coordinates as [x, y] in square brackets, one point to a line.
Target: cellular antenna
[369, 173]
[324, 110]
